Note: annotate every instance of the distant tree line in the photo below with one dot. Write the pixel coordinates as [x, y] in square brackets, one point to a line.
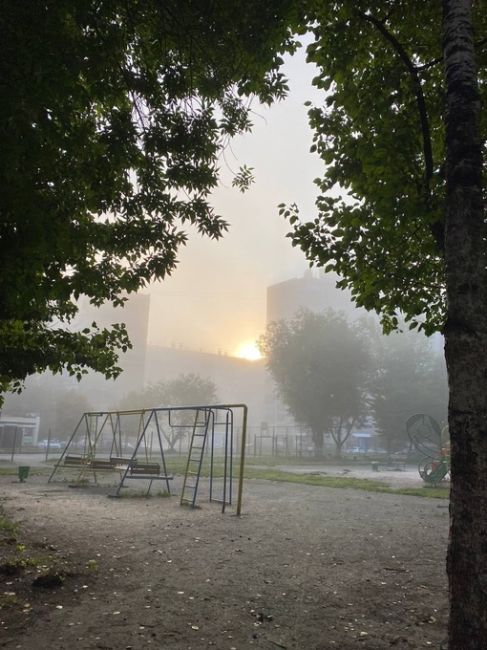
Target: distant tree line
[185, 390]
[60, 406]
[334, 375]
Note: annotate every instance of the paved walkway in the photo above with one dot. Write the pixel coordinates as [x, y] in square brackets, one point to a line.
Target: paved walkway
[394, 477]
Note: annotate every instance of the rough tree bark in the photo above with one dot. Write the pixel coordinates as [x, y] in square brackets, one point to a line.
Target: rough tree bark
[465, 335]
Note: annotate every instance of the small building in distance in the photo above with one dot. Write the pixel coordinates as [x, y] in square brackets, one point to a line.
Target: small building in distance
[16, 431]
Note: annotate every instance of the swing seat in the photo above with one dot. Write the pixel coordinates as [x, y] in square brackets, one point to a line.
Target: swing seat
[116, 461]
[148, 471]
[98, 464]
[76, 461]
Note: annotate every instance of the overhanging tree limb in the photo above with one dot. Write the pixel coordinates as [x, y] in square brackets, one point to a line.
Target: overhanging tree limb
[431, 64]
[113, 120]
[437, 228]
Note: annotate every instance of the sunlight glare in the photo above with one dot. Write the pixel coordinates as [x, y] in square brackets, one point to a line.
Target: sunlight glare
[249, 350]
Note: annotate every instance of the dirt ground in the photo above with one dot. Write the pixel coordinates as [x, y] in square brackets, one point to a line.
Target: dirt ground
[306, 568]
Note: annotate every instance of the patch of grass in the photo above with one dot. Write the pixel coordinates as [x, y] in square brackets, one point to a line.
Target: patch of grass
[6, 525]
[17, 564]
[162, 494]
[344, 482]
[426, 491]
[346, 460]
[177, 465]
[12, 470]
[19, 555]
[41, 471]
[8, 471]
[9, 599]
[315, 479]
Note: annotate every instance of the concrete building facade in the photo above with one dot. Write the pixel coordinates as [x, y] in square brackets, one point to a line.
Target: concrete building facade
[315, 293]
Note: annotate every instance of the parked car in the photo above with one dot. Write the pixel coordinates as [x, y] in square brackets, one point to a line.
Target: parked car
[52, 444]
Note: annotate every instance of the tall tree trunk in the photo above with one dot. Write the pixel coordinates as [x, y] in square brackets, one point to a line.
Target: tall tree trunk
[336, 434]
[465, 335]
[317, 441]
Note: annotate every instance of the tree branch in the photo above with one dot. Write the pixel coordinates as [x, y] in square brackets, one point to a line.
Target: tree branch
[437, 229]
[430, 64]
[387, 16]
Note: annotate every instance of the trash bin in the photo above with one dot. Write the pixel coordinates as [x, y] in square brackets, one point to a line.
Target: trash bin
[23, 472]
[375, 465]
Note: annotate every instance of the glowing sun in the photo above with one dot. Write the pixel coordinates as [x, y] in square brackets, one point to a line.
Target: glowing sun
[249, 350]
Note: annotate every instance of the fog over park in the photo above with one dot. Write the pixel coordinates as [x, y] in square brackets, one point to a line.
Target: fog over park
[205, 320]
[216, 298]
[243, 331]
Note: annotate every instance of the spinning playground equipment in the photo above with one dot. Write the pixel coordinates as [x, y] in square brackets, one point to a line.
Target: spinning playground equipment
[431, 442]
[130, 444]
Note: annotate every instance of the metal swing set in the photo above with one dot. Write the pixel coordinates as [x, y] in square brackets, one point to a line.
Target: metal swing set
[130, 445]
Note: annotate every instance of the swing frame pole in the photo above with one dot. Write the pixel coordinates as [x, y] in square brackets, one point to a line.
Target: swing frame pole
[242, 459]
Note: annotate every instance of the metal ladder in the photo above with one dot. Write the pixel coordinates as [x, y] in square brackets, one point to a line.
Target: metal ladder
[195, 457]
[222, 492]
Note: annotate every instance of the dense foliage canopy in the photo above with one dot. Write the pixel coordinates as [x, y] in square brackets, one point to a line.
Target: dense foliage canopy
[403, 134]
[320, 364]
[380, 133]
[409, 377]
[112, 119]
[188, 389]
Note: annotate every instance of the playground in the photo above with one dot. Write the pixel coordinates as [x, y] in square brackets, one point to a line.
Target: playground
[304, 567]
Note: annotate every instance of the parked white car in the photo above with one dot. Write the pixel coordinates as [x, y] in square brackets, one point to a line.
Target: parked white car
[52, 444]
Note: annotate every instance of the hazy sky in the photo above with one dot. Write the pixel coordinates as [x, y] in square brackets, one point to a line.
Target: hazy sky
[216, 298]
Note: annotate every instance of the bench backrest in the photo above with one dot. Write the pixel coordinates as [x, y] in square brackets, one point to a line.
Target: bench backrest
[76, 460]
[101, 464]
[120, 460]
[147, 468]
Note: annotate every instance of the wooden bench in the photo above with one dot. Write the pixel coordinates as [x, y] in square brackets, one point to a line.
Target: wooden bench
[76, 461]
[120, 460]
[147, 469]
[98, 464]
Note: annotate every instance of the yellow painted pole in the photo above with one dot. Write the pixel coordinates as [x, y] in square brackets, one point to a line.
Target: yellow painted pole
[242, 460]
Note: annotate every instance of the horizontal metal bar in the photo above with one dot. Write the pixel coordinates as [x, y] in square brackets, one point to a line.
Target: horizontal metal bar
[149, 477]
[165, 409]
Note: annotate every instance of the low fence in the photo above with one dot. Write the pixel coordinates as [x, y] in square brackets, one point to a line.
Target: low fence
[274, 441]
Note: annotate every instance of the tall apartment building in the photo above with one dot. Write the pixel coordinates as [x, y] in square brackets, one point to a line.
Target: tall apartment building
[308, 292]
